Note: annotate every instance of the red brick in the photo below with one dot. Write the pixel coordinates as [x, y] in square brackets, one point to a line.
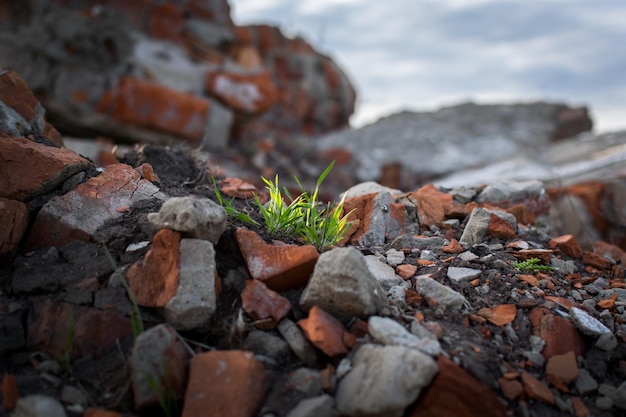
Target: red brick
[406, 271]
[499, 315]
[608, 250]
[14, 93]
[511, 389]
[10, 391]
[153, 106]
[500, 228]
[455, 393]
[361, 208]
[453, 247]
[545, 255]
[224, 384]
[238, 188]
[260, 303]
[563, 367]
[165, 21]
[331, 73]
[432, 205]
[280, 267]
[325, 332]
[560, 335]
[568, 245]
[53, 135]
[147, 172]
[79, 213]
[29, 169]
[580, 409]
[248, 93]
[95, 332]
[536, 389]
[595, 260]
[154, 281]
[523, 214]
[13, 223]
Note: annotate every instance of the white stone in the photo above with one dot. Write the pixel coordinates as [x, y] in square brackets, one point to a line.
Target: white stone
[38, 406]
[587, 324]
[368, 187]
[394, 257]
[446, 297]
[200, 218]
[389, 332]
[342, 285]
[195, 301]
[384, 380]
[468, 256]
[300, 346]
[463, 274]
[383, 273]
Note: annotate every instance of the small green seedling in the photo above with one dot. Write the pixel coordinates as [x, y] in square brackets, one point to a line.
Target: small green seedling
[304, 217]
[322, 227]
[230, 209]
[533, 264]
[164, 393]
[279, 216]
[136, 322]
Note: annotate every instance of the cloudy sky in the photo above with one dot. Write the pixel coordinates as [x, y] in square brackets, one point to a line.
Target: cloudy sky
[424, 54]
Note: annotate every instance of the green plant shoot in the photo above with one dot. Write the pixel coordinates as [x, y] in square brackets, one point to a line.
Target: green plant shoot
[533, 264]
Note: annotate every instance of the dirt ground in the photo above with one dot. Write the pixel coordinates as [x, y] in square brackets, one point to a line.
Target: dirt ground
[104, 382]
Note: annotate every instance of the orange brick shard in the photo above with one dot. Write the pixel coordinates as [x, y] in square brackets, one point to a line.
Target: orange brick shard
[568, 245]
[156, 107]
[325, 332]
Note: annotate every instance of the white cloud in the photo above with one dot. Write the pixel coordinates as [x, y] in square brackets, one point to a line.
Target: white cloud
[429, 53]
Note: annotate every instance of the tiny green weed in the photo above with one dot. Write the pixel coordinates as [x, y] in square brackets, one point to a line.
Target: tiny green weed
[322, 227]
[230, 209]
[279, 216]
[136, 322]
[164, 393]
[304, 217]
[533, 264]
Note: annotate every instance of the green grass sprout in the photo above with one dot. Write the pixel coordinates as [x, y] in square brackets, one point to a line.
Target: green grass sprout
[303, 217]
[279, 216]
[533, 264]
[322, 227]
[136, 321]
[230, 209]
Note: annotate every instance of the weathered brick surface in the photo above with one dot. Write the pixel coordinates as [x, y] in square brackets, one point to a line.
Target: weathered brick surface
[280, 267]
[29, 169]
[224, 384]
[249, 93]
[95, 332]
[80, 212]
[13, 223]
[142, 103]
[154, 281]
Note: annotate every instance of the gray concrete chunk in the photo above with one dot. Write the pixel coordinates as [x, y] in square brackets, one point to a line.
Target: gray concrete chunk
[343, 286]
[446, 297]
[384, 380]
[196, 301]
[200, 218]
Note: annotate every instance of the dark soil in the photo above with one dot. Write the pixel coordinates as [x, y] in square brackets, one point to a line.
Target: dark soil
[54, 273]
